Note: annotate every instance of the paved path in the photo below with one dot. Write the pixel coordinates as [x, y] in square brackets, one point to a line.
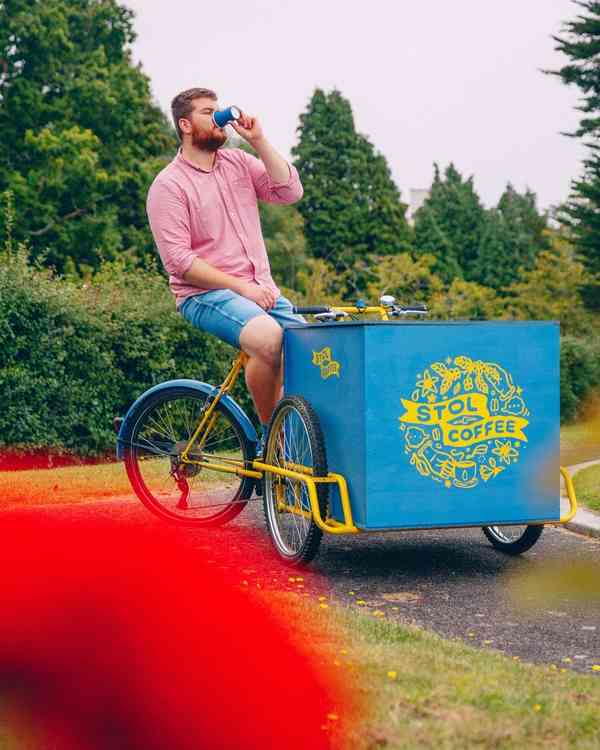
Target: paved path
[451, 582]
[585, 521]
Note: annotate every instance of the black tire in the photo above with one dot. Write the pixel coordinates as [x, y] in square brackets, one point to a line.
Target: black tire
[513, 540]
[294, 436]
[183, 493]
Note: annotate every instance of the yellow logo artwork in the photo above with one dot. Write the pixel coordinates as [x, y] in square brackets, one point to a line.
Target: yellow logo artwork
[465, 422]
[328, 365]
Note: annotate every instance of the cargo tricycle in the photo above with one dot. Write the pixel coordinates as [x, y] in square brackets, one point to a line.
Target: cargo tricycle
[386, 424]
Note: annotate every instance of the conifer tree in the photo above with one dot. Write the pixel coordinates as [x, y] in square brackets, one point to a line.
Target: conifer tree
[449, 225]
[351, 206]
[513, 234]
[581, 44]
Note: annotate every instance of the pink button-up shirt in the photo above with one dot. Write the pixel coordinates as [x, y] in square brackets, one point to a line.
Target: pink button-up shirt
[213, 215]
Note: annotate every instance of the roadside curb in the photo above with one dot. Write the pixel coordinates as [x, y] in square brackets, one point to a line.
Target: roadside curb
[585, 522]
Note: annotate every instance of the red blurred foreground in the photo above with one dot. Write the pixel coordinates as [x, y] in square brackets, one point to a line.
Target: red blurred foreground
[114, 636]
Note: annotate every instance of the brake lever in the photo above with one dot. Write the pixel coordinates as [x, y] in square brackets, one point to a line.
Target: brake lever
[420, 310]
[332, 315]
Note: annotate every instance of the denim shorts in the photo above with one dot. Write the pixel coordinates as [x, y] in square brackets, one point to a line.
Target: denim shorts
[224, 313]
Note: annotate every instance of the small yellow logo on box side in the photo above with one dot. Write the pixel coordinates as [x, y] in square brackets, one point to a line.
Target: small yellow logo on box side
[328, 366]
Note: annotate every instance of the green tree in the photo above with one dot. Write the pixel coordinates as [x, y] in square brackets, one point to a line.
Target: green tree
[581, 44]
[549, 291]
[81, 138]
[449, 225]
[465, 300]
[283, 232]
[512, 236]
[351, 206]
[406, 278]
[520, 211]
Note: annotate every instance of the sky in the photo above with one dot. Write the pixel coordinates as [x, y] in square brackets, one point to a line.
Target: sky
[432, 81]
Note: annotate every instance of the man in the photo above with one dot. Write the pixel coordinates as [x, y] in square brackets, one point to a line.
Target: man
[204, 217]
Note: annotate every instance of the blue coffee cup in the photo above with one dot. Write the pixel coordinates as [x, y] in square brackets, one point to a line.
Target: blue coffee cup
[223, 116]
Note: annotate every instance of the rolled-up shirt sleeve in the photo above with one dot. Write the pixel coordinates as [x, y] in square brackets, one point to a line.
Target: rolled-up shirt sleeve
[273, 192]
[169, 219]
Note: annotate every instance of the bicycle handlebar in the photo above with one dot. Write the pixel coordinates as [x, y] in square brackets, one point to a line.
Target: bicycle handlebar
[314, 310]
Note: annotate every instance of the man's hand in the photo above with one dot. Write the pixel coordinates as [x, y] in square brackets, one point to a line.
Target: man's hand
[263, 296]
[249, 128]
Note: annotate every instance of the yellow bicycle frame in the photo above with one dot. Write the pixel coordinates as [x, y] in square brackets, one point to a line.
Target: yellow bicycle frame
[304, 474]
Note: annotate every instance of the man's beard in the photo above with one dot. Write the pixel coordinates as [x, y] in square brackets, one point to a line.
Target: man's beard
[208, 142]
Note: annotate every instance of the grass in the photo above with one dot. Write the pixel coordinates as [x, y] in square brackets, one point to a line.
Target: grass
[581, 441]
[422, 691]
[76, 484]
[72, 484]
[407, 688]
[587, 487]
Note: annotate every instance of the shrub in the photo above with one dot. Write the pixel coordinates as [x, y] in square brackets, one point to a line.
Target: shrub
[579, 374]
[75, 355]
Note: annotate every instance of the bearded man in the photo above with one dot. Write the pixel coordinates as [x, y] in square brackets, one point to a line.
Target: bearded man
[203, 212]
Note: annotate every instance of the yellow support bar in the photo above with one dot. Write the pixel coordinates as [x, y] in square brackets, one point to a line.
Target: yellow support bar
[233, 469]
[237, 365]
[571, 494]
[329, 525]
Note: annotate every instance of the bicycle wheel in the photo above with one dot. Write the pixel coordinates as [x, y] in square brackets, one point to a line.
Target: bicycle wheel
[187, 493]
[294, 440]
[513, 540]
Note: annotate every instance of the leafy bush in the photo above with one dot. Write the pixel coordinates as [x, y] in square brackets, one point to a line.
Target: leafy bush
[73, 355]
[579, 374]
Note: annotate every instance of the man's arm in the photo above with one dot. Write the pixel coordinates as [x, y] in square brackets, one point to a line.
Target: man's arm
[205, 276]
[277, 167]
[275, 180]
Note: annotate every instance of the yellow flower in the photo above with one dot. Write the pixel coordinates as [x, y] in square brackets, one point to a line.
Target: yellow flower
[392, 674]
[596, 667]
[537, 707]
[378, 613]
[427, 383]
[360, 602]
[322, 598]
[323, 606]
[487, 643]
[567, 660]
[505, 451]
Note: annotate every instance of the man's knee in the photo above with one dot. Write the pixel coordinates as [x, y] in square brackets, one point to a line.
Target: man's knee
[262, 337]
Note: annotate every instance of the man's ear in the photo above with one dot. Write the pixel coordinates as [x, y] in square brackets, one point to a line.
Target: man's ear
[188, 125]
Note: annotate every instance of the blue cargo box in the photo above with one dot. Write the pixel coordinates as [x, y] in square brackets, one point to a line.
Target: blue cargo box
[435, 424]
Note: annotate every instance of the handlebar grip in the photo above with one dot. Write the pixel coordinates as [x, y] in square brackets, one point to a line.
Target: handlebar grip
[311, 310]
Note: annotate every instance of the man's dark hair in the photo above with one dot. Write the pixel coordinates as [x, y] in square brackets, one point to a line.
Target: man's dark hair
[182, 105]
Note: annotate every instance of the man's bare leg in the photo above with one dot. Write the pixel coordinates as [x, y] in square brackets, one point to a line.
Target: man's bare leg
[261, 339]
